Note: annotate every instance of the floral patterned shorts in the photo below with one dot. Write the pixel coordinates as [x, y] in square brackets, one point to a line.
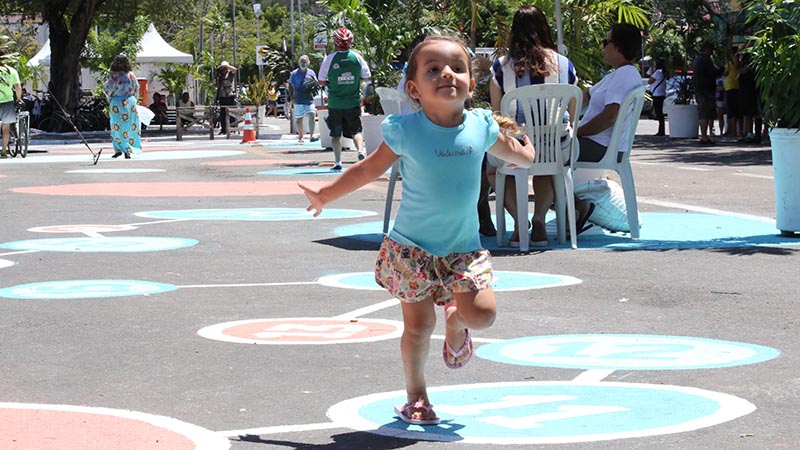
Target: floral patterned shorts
[413, 275]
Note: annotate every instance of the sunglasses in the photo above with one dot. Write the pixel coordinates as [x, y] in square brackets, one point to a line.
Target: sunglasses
[606, 42]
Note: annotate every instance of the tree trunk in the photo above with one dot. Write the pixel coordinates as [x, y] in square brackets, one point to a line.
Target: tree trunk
[66, 43]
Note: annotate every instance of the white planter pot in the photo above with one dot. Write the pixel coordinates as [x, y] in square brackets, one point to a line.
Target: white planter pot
[325, 132]
[373, 134]
[786, 167]
[684, 121]
[262, 113]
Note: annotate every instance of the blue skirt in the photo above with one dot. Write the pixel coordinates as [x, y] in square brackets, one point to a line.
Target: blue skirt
[125, 126]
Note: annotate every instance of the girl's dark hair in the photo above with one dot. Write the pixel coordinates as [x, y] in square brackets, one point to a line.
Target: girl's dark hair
[120, 63]
[628, 39]
[411, 71]
[528, 41]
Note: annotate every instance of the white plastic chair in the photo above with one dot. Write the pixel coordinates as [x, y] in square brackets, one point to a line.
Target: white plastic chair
[544, 107]
[391, 100]
[619, 161]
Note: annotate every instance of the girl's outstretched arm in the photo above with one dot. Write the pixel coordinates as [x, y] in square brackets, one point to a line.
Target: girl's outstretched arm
[353, 178]
[509, 149]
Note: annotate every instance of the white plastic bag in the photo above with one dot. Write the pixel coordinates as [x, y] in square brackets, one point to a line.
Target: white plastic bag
[609, 204]
[145, 115]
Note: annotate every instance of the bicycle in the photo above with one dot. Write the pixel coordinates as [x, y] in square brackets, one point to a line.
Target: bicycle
[21, 133]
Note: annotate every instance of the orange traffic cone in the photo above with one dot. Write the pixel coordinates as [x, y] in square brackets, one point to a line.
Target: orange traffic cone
[249, 132]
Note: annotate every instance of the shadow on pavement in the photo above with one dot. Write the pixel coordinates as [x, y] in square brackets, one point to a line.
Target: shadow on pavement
[687, 151]
[345, 441]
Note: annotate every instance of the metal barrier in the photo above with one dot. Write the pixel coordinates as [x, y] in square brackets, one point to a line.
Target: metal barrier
[208, 116]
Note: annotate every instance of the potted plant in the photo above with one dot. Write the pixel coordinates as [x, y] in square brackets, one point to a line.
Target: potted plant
[774, 46]
[684, 118]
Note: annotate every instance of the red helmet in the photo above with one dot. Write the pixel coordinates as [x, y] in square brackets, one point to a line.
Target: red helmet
[342, 37]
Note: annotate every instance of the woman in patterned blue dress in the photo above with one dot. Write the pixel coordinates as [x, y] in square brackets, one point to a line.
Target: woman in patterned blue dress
[122, 90]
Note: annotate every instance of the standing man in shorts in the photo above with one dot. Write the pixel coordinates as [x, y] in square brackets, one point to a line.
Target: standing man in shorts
[343, 71]
[9, 85]
[302, 98]
[705, 86]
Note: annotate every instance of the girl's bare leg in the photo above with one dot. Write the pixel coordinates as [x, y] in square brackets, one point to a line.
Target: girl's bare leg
[419, 321]
[475, 310]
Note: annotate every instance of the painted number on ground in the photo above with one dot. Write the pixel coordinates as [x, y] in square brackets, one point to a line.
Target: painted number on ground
[625, 352]
[303, 331]
[527, 413]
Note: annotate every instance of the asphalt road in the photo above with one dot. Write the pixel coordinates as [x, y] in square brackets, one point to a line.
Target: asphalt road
[682, 344]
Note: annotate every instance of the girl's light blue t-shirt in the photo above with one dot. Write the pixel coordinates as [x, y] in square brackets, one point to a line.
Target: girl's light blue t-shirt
[441, 169]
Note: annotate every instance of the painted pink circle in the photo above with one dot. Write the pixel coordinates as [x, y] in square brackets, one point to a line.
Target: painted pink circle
[43, 429]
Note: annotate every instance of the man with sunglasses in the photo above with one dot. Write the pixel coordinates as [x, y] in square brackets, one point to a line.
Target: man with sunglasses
[621, 48]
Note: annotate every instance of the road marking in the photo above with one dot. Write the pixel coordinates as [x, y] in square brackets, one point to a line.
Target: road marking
[564, 412]
[695, 169]
[285, 283]
[369, 309]
[609, 352]
[546, 412]
[303, 331]
[279, 429]
[675, 205]
[593, 376]
[752, 175]
[84, 289]
[96, 420]
[100, 244]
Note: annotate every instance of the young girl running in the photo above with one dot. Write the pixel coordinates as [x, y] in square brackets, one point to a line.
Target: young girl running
[433, 254]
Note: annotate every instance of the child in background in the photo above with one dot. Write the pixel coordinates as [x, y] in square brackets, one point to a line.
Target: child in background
[433, 254]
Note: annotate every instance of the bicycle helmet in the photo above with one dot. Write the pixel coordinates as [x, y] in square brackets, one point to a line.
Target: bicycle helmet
[343, 37]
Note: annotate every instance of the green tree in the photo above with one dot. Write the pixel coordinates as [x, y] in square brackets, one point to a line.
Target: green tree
[70, 21]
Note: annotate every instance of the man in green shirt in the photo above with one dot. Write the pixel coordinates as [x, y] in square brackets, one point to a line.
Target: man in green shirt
[9, 85]
[343, 72]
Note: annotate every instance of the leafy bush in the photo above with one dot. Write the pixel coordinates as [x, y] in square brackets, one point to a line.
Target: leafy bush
[775, 50]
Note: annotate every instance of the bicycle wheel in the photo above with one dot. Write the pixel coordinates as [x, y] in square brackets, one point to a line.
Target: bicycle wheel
[24, 134]
[13, 149]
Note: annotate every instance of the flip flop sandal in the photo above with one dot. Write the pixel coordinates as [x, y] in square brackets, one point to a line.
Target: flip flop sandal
[402, 412]
[465, 351]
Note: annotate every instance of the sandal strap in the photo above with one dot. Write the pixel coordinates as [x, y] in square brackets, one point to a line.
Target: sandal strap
[463, 349]
[418, 405]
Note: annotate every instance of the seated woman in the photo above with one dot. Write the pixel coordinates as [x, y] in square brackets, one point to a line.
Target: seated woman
[532, 59]
[621, 48]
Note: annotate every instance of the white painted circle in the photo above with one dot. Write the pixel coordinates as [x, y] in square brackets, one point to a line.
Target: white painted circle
[303, 331]
[548, 412]
[625, 352]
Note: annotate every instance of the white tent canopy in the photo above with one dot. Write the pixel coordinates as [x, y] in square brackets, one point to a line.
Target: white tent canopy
[154, 49]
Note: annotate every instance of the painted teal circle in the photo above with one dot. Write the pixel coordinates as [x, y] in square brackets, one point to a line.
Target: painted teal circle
[302, 171]
[503, 281]
[660, 231]
[254, 214]
[122, 244]
[693, 230]
[547, 412]
[82, 289]
[625, 352]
